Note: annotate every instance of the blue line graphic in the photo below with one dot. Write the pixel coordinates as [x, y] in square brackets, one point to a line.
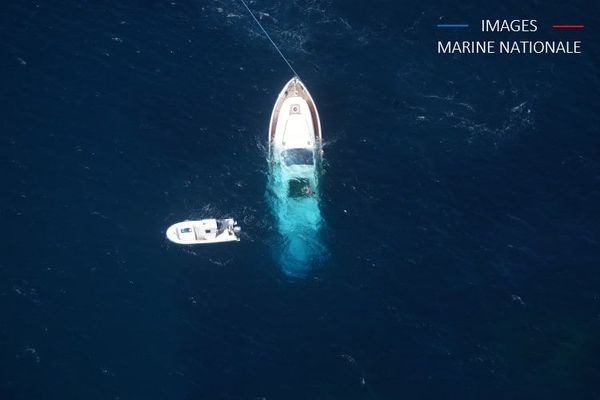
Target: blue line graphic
[452, 25]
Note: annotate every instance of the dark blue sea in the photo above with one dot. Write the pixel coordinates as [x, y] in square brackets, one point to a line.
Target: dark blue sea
[460, 198]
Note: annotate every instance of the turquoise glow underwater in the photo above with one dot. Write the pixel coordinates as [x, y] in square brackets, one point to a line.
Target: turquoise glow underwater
[298, 220]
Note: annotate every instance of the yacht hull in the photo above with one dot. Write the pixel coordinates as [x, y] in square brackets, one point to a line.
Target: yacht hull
[295, 141]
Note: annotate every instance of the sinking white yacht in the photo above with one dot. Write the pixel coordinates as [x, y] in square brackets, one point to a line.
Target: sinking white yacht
[293, 185]
[295, 137]
[204, 231]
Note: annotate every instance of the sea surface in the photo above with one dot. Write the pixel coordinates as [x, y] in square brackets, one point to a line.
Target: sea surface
[460, 198]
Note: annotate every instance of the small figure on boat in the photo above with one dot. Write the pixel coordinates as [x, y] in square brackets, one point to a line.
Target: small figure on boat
[307, 190]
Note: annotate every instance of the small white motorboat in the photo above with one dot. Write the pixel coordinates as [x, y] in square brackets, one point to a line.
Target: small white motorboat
[204, 231]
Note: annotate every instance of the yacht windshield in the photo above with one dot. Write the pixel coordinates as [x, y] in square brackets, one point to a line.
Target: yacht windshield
[297, 157]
